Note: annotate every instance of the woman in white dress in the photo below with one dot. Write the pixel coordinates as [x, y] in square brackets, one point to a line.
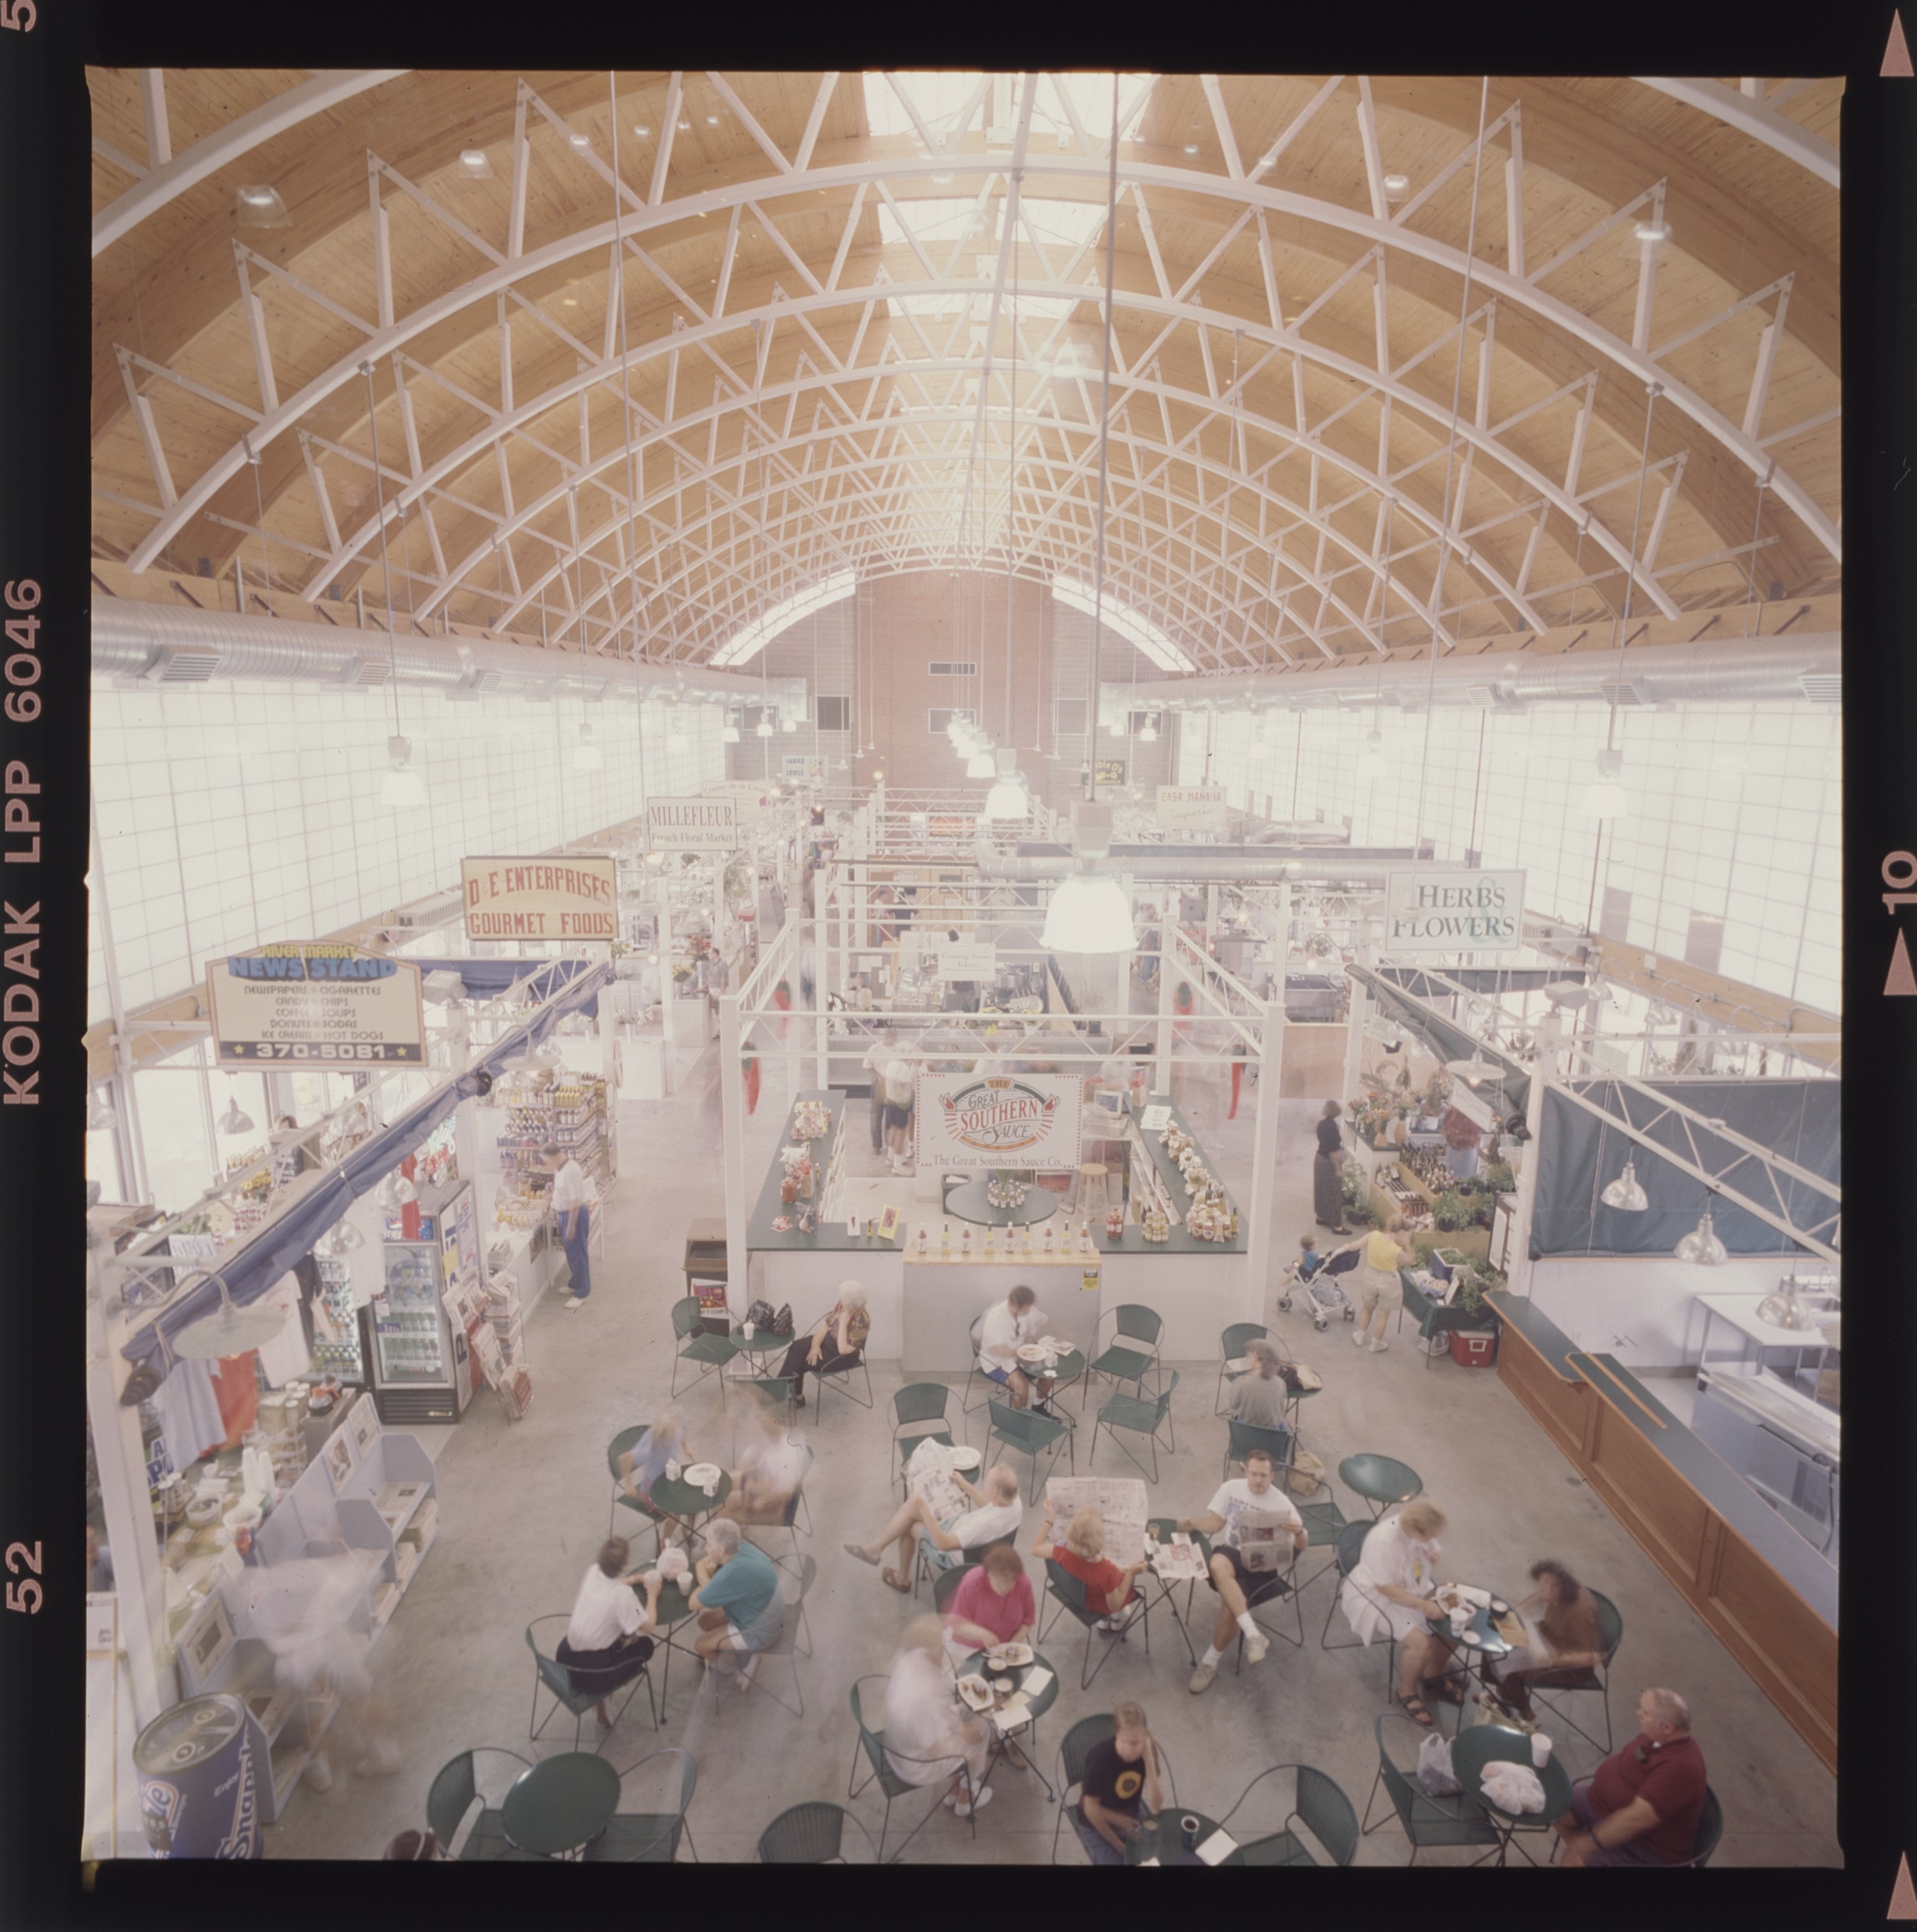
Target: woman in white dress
[927, 1735]
[1389, 1593]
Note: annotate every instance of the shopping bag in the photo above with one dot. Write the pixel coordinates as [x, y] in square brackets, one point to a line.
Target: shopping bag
[1434, 1767]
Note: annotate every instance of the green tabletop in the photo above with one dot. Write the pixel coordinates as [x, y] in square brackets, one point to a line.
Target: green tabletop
[560, 1803]
[688, 1499]
[1378, 1479]
[1166, 1844]
[1167, 1527]
[968, 1203]
[1480, 1744]
[672, 1607]
[975, 1664]
[1478, 1635]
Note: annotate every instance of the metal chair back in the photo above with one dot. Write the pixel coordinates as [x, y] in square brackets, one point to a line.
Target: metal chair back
[1070, 1590]
[920, 1402]
[944, 1585]
[1458, 1820]
[1350, 1547]
[687, 1319]
[642, 1837]
[1232, 1343]
[809, 1835]
[1138, 1323]
[1325, 1811]
[1710, 1829]
[1243, 1438]
[455, 1788]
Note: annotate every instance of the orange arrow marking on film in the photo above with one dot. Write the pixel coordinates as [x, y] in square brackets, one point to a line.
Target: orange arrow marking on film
[1900, 979]
[1897, 66]
[1904, 1893]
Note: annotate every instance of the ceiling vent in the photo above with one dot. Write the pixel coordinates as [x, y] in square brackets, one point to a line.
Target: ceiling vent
[172, 665]
[1632, 692]
[1823, 687]
[363, 671]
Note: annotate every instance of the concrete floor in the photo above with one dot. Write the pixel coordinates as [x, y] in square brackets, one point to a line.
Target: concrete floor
[524, 1507]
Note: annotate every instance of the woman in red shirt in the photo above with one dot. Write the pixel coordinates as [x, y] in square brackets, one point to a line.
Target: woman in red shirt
[993, 1605]
[1108, 1589]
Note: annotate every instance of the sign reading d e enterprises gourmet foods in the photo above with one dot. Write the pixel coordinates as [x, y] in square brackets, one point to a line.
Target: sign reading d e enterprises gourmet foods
[576, 897]
[314, 1001]
[1454, 911]
[1029, 1120]
[693, 824]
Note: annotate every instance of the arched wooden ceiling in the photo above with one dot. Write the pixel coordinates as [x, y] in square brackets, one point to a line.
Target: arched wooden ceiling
[809, 362]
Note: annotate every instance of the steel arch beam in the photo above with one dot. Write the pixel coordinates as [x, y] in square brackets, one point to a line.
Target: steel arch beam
[148, 196]
[1754, 118]
[484, 289]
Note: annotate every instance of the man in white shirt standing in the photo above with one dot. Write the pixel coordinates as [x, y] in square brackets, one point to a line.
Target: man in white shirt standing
[1006, 1327]
[1255, 1494]
[573, 1200]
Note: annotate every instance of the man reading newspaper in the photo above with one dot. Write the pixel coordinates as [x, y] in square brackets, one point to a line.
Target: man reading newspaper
[1258, 1520]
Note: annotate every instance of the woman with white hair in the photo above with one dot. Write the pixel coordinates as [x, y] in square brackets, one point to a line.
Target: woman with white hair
[836, 1343]
[927, 1735]
[1390, 1592]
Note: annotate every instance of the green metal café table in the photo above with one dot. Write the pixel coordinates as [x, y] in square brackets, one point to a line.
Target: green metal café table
[1379, 1480]
[1162, 1841]
[557, 1806]
[1472, 1749]
[978, 1665]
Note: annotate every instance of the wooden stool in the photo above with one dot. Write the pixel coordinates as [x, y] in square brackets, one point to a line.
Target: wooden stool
[1090, 1199]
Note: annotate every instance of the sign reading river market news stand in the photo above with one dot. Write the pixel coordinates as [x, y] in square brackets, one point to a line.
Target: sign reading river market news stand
[1453, 912]
[572, 897]
[314, 1001]
[1029, 1120]
[709, 825]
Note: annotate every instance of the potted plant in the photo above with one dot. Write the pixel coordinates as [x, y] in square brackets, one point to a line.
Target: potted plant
[1450, 1212]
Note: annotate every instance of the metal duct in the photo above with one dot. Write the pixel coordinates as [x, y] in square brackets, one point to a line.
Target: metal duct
[1784, 669]
[1205, 863]
[132, 639]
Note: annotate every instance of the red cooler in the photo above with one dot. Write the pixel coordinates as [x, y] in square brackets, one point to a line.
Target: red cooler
[1474, 1348]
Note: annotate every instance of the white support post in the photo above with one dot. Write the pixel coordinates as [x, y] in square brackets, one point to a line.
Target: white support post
[1577, 434]
[732, 1119]
[126, 1502]
[1354, 1040]
[1167, 931]
[1518, 1256]
[1647, 276]
[1514, 203]
[668, 1001]
[1767, 360]
[822, 979]
[788, 943]
[522, 167]
[153, 111]
[1264, 1131]
[1483, 414]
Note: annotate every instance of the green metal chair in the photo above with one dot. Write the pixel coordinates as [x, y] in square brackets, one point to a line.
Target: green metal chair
[1346, 1549]
[1427, 1821]
[550, 1675]
[872, 1745]
[1072, 1754]
[1597, 1677]
[811, 1834]
[969, 1555]
[978, 1374]
[1141, 1418]
[796, 1506]
[1136, 1323]
[1280, 1587]
[455, 1790]
[944, 1585]
[1231, 1346]
[787, 1645]
[1066, 1592]
[839, 1376]
[1324, 1521]
[1318, 1804]
[651, 1837]
[1709, 1827]
[1242, 1438]
[916, 1403]
[708, 1353]
[621, 1445]
[1020, 1429]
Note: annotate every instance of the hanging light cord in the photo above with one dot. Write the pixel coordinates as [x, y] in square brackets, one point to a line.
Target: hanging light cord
[386, 568]
[1450, 467]
[1011, 473]
[1104, 439]
[1652, 392]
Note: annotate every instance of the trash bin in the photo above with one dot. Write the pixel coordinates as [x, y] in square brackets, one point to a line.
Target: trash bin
[198, 1794]
[1474, 1348]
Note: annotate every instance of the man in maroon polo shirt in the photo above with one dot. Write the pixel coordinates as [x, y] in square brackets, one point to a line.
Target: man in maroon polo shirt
[1644, 1805]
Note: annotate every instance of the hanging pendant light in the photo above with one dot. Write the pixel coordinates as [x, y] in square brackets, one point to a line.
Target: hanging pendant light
[1007, 799]
[1701, 1245]
[1605, 797]
[1624, 1192]
[676, 739]
[1087, 913]
[1371, 760]
[402, 789]
[729, 732]
[983, 762]
[343, 1239]
[788, 724]
[763, 728]
[1148, 732]
[1473, 1072]
[235, 1119]
[231, 1331]
[395, 1192]
[588, 757]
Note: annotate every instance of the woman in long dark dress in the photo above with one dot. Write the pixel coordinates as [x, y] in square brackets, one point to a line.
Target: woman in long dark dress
[1327, 1172]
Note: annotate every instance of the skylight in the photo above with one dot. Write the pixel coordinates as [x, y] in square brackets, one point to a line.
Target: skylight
[1129, 624]
[748, 642]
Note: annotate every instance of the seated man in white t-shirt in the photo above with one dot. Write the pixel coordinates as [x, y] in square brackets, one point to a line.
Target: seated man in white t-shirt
[1255, 1493]
[1006, 1325]
[609, 1638]
[999, 1511]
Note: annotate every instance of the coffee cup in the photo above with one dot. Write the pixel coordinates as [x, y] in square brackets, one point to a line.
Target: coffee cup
[651, 1579]
[1188, 1831]
[746, 1331]
[711, 1489]
[672, 1470]
[1540, 1749]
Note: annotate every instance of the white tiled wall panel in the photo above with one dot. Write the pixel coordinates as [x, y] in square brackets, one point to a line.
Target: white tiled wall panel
[240, 813]
[1735, 811]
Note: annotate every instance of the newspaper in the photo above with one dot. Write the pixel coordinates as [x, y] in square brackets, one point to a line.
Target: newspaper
[1178, 1560]
[1264, 1539]
[1119, 1500]
[929, 1474]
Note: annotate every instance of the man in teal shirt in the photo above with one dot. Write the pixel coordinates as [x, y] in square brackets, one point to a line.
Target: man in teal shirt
[738, 1598]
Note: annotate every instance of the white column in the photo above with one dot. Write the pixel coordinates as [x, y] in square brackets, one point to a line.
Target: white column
[1167, 932]
[732, 1118]
[1264, 1142]
[1354, 1041]
[822, 887]
[668, 1004]
[1519, 1255]
[787, 969]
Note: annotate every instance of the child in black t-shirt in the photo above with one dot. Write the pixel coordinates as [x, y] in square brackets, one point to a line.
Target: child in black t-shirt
[1120, 1773]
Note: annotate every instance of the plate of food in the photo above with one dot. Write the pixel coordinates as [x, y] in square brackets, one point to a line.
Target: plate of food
[699, 1474]
[1011, 1656]
[964, 1457]
[1032, 1352]
[976, 1692]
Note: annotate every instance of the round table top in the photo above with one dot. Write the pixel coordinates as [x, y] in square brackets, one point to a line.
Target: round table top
[967, 1202]
[1068, 1368]
[672, 1606]
[560, 1803]
[685, 1498]
[1480, 1744]
[1478, 1635]
[1379, 1479]
[1038, 1705]
[1163, 1843]
[1167, 1527]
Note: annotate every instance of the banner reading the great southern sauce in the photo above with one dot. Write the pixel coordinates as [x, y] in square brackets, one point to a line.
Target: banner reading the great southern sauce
[1025, 1120]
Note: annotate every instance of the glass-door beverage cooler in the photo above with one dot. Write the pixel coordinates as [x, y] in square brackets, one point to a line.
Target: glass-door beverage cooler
[415, 1355]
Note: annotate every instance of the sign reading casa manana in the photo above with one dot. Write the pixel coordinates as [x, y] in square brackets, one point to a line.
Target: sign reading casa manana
[1030, 1120]
[1454, 911]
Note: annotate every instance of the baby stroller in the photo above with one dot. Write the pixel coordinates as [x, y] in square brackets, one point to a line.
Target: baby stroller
[1323, 1293]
